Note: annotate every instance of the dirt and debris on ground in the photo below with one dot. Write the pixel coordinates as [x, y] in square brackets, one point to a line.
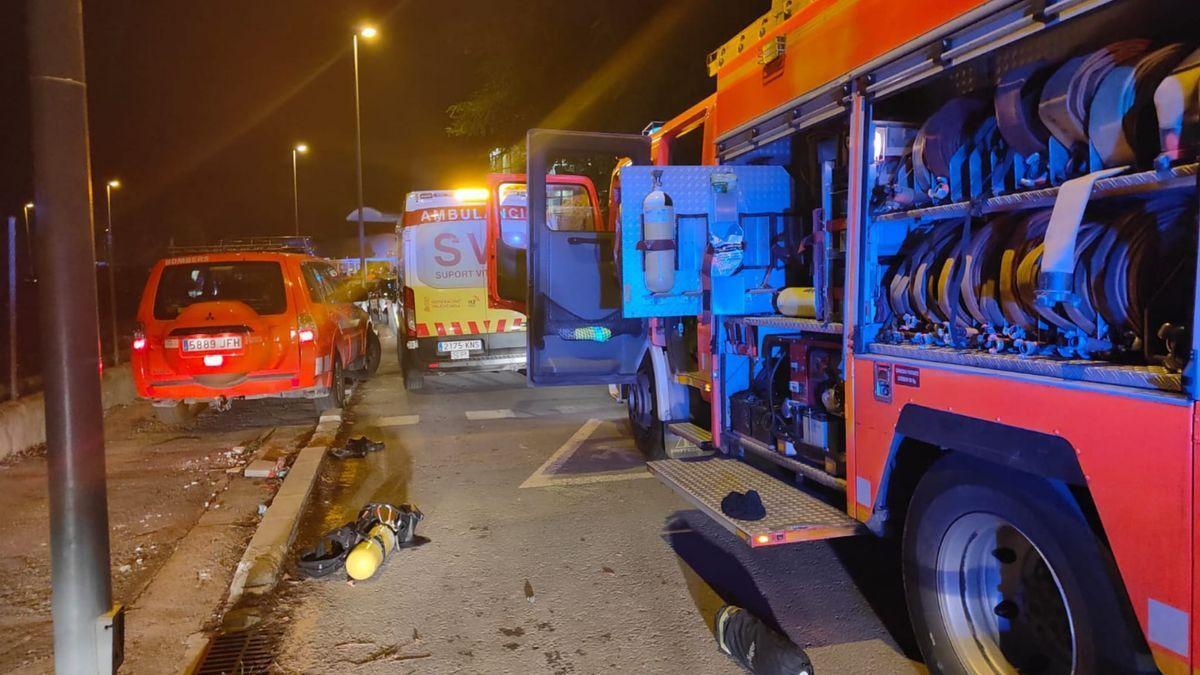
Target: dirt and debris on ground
[180, 514]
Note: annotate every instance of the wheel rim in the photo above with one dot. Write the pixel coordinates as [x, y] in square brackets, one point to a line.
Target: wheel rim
[1003, 606]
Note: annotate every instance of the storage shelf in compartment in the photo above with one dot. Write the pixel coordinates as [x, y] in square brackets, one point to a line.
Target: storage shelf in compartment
[1127, 184]
[1155, 378]
[791, 323]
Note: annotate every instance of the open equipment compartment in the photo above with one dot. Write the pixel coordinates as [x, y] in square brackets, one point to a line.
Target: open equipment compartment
[1033, 209]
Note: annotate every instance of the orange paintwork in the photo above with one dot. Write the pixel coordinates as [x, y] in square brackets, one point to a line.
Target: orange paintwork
[826, 40]
[272, 360]
[1135, 453]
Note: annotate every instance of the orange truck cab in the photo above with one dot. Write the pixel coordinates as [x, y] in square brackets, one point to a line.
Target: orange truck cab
[218, 326]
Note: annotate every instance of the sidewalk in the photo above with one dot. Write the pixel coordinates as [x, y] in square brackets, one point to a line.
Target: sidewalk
[179, 521]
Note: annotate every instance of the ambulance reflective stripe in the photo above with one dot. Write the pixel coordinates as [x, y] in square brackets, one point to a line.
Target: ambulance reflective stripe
[500, 326]
[456, 328]
[422, 330]
[441, 329]
[474, 327]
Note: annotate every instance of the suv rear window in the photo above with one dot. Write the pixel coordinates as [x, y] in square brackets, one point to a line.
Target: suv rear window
[258, 284]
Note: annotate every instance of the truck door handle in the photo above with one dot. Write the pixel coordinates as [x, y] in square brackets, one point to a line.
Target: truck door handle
[575, 241]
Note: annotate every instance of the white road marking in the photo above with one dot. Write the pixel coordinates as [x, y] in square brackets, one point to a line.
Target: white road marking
[397, 421]
[478, 415]
[541, 477]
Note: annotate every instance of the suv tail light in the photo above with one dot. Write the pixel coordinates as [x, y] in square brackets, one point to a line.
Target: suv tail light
[139, 338]
[306, 329]
[410, 308]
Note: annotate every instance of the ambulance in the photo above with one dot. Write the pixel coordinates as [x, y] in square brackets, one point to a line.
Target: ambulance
[445, 322]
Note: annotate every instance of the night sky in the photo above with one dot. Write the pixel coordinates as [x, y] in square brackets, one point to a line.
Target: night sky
[195, 105]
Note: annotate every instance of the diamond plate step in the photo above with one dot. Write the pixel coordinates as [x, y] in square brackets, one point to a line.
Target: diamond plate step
[684, 439]
[792, 515]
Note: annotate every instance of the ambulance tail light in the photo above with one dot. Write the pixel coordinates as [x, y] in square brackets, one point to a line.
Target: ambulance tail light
[306, 329]
[410, 310]
[139, 338]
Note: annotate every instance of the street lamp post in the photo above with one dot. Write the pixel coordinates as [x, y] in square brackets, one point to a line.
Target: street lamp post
[366, 32]
[298, 149]
[112, 276]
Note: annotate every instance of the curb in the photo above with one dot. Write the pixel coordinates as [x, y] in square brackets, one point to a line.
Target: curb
[260, 567]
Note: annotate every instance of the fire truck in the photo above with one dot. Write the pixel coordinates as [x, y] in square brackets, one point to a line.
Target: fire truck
[934, 263]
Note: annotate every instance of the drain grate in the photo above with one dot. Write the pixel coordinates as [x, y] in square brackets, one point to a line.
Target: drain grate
[244, 652]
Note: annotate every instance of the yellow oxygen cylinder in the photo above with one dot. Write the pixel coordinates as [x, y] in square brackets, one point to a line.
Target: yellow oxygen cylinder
[799, 302]
[658, 238]
[369, 554]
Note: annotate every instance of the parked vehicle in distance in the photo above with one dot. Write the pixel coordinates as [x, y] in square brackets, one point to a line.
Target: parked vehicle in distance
[445, 321]
[228, 323]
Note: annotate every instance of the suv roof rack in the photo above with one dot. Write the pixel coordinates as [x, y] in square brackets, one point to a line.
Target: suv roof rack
[281, 244]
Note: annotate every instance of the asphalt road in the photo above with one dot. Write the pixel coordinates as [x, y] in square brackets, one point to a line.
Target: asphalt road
[545, 558]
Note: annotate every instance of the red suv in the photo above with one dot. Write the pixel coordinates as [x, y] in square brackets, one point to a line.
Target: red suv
[224, 325]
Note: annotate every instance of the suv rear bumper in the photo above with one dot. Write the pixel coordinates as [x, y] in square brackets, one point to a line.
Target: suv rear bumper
[501, 351]
[255, 385]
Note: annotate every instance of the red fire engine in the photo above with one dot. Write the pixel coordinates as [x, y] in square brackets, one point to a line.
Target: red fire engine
[937, 260]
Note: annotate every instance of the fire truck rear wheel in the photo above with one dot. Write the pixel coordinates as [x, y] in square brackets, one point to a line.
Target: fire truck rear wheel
[642, 406]
[1004, 574]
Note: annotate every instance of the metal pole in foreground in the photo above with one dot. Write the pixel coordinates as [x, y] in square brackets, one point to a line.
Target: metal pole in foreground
[362, 231]
[295, 193]
[79, 553]
[14, 386]
[112, 273]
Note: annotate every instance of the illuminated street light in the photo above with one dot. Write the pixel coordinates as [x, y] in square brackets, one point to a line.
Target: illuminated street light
[367, 33]
[298, 149]
[29, 238]
[111, 185]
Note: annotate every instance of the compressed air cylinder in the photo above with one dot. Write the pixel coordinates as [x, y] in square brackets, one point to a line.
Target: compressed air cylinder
[370, 553]
[799, 302]
[658, 238]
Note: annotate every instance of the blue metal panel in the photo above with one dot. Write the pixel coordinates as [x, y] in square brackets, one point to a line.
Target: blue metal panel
[762, 190]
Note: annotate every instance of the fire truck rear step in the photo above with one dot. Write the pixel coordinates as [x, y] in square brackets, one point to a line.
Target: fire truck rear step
[792, 514]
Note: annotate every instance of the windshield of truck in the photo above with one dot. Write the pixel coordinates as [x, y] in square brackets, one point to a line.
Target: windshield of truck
[259, 284]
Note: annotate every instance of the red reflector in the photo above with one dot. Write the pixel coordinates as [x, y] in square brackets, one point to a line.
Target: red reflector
[432, 366]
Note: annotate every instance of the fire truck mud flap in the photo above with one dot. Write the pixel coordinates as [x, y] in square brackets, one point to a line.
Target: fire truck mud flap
[792, 515]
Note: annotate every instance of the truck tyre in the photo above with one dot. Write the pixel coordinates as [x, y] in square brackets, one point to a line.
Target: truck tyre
[1003, 574]
[374, 352]
[180, 413]
[414, 380]
[642, 405]
[336, 396]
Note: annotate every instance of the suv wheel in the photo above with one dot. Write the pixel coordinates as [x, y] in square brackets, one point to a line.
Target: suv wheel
[374, 352]
[180, 413]
[336, 396]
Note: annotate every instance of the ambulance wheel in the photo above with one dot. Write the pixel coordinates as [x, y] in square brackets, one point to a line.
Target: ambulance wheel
[374, 352]
[1003, 574]
[336, 396]
[180, 413]
[642, 406]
